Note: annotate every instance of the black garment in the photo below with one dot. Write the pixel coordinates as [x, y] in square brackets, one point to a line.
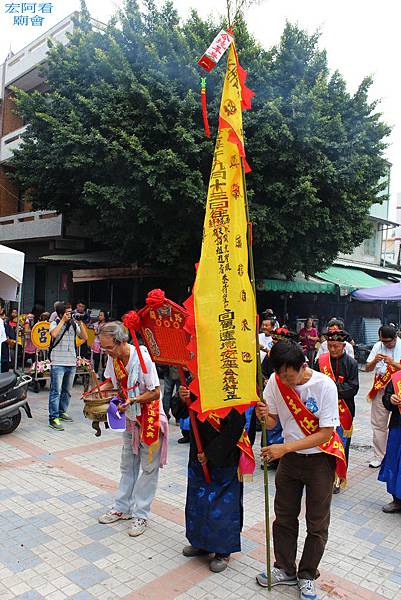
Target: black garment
[347, 368]
[5, 348]
[220, 447]
[395, 419]
[267, 369]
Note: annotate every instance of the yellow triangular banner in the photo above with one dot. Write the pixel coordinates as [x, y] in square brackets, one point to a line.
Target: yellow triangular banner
[224, 302]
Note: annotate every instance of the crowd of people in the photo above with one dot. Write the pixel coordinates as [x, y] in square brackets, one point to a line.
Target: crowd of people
[310, 382]
[322, 393]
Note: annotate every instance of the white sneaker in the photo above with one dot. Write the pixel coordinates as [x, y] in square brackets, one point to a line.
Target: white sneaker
[112, 516]
[278, 577]
[375, 463]
[138, 527]
[307, 590]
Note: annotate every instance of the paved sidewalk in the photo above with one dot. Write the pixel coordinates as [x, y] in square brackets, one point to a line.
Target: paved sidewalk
[53, 485]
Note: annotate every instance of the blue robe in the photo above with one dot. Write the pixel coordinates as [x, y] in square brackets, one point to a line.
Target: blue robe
[390, 471]
[214, 512]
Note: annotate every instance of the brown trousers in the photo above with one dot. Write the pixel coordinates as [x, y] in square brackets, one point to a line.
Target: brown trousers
[316, 473]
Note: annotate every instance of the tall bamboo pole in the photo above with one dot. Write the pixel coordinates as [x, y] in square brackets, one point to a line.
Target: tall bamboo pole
[260, 385]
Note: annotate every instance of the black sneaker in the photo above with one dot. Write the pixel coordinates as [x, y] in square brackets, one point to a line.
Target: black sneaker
[66, 417]
[183, 440]
[55, 424]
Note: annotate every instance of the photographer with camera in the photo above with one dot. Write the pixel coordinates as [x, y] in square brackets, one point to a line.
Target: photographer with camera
[63, 356]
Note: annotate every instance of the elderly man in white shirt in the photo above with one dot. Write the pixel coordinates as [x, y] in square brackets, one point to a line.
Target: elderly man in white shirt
[265, 337]
[384, 359]
[126, 370]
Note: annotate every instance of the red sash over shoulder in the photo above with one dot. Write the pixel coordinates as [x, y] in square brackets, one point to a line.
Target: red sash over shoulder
[308, 424]
[149, 419]
[396, 379]
[343, 410]
[380, 382]
[247, 463]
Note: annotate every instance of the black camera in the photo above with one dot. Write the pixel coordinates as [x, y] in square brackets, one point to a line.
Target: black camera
[84, 317]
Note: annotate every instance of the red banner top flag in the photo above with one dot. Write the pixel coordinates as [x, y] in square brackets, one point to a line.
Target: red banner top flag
[396, 380]
[162, 329]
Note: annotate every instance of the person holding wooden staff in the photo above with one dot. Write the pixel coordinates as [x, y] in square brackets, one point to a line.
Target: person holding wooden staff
[145, 439]
[214, 511]
[306, 403]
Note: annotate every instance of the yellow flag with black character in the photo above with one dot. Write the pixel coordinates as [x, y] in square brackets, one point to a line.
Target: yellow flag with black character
[224, 302]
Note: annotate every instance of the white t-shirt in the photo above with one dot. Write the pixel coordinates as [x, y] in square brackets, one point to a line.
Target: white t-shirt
[147, 382]
[380, 348]
[349, 349]
[3, 335]
[319, 395]
[267, 342]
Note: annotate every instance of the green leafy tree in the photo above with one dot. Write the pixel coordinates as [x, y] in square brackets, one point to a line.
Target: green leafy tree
[118, 139]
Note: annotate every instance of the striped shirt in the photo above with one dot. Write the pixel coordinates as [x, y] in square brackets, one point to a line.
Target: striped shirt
[64, 354]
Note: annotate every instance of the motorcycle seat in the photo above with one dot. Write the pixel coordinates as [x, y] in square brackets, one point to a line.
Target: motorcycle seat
[7, 381]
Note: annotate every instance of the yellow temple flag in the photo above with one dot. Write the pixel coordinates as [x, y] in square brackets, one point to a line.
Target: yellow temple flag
[224, 302]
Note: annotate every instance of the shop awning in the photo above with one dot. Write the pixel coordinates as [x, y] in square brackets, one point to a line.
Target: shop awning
[84, 257]
[299, 285]
[389, 271]
[104, 274]
[349, 280]
[385, 292]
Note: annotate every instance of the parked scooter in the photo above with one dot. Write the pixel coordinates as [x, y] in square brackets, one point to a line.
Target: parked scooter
[13, 393]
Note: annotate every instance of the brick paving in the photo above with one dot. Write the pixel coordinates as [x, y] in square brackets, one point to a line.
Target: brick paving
[53, 485]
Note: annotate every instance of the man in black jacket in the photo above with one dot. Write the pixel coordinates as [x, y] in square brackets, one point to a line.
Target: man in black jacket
[343, 370]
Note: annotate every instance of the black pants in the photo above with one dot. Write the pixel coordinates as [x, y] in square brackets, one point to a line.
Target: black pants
[315, 473]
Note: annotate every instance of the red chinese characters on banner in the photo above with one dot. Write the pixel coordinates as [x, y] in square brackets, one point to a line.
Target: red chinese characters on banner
[217, 48]
[396, 379]
[162, 329]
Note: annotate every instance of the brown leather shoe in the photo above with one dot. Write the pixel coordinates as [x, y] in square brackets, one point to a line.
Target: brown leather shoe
[392, 507]
[190, 551]
[219, 563]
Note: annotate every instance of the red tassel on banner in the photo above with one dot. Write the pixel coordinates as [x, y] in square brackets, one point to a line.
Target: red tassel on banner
[204, 107]
[132, 321]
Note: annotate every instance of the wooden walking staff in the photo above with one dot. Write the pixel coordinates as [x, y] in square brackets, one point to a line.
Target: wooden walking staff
[260, 387]
[240, 5]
